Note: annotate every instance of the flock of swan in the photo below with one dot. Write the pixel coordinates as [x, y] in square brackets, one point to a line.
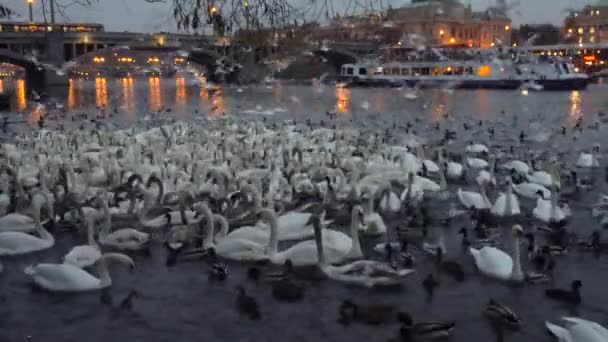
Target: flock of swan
[240, 191]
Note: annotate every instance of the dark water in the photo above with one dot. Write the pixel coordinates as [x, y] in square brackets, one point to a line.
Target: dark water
[181, 304]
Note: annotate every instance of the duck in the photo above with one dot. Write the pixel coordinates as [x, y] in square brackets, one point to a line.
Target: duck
[18, 243]
[572, 296]
[246, 305]
[374, 314]
[507, 203]
[66, 277]
[411, 331]
[497, 264]
[577, 329]
[502, 314]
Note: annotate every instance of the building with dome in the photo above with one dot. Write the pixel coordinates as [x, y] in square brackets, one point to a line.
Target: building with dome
[588, 25]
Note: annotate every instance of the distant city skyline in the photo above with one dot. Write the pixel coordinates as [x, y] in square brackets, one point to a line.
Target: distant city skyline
[140, 16]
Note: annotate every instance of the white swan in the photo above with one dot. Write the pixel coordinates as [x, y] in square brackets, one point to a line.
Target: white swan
[84, 255]
[578, 330]
[517, 165]
[70, 278]
[495, 263]
[305, 252]
[123, 239]
[234, 248]
[531, 190]
[17, 243]
[548, 211]
[477, 148]
[374, 224]
[587, 160]
[366, 273]
[507, 204]
[475, 200]
[477, 163]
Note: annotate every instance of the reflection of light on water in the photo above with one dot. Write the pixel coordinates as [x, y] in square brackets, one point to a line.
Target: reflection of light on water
[101, 92]
[1, 86]
[128, 97]
[71, 98]
[21, 98]
[575, 106]
[155, 96]
[218, 105]
[524, 92]
[36, 114]
[342, 100]
[180, 91]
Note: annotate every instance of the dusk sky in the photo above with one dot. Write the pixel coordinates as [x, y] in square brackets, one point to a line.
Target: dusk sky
[138, 15]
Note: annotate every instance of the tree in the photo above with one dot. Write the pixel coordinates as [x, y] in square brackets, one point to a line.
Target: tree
[229, 15]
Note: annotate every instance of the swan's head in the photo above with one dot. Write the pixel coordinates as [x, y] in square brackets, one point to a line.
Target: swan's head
[540, 194]
[518, 230]
[358, 214]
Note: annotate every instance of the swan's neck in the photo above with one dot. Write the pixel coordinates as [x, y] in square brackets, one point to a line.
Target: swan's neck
[91, 233]
[516, 273]
[104, 275]
[355, 249]
[44, 234]
[273, 244]
[319, 243]
[208, 242]
[443, 184]
[107, 222]
[508, 204]
[369, 208]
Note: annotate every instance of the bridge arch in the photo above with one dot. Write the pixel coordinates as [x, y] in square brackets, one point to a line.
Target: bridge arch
[34, 74]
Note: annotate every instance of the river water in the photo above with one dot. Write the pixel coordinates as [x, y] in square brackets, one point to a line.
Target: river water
[181, 304]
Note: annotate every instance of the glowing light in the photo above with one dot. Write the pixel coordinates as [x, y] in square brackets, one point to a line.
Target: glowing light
[570, 30]
[21, 98]
[452, 40]
[399, 43]
[507, 28]
[589, 58]
[85, 38]
[484, 70]
[30, 1]
[576, 70]
[524, 92]
[441, 33]
[514, 44]
[342, 100]
[246, 4]
[99, 59]
[213, 10]
[581, 30]
[160, 40]
[492, 44]
[101, 92]
[153, 60]
[155, 95]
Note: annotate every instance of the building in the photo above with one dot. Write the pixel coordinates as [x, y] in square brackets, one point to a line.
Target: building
[449, 22]
[588, 25]
[428, 22]
[540, 34]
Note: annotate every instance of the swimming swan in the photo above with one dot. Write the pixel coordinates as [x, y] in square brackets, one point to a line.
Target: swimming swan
[578, 330]
[70, 278]
[495, 263]
[17, 243]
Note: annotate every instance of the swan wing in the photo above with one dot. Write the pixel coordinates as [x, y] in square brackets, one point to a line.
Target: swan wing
[83, 256]
[62, 277]
[240, 249]
[560, 333]
[493, 262]
[15, 243]
[597, 328]
[257, 234]
[15, 219]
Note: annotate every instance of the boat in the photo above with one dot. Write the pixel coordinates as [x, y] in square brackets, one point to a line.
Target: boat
[471, 69]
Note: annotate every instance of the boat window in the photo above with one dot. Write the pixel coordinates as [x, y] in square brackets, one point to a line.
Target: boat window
[558, 69]
[425, 71]
[448, 70]
[436, 71]
[458, 70]
[349, 71]
[405, 71]
[470, 71]
[416, 71]
[566, 69]
[386, 71]
[395, 71]
[362, 71]
[518, 70]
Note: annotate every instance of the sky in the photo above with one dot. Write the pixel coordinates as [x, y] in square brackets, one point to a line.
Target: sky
[140, 16]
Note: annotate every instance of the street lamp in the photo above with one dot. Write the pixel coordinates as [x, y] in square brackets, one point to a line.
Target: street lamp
[30, 4]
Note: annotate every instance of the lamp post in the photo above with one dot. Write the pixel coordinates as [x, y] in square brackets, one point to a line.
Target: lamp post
[30, 4]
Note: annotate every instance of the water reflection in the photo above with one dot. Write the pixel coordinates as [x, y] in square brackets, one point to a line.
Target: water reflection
[1, 85]
[21, 98]
[575, 107]
[101, 92]
[71, 96]
[180, 92]
[128, 94]
[342, 100]
[155, 95]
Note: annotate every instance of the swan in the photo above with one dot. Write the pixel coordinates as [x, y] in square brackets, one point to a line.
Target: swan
[517, 165]
[413, 193]
[531, 190]
[507, 204]
[587, 160]
[495, 263]
[477, 148]
[234, 248]
[548, 211]
[578, 330]
[366, 273]
[543, 178]
[374, 224]
[305, 252]
[477, 163]
[123, 239]
[17, 243]
[85, 255]
[70, 278]
[487, 176]
[475, 200]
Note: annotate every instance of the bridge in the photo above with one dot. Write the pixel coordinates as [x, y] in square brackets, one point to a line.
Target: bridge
[43, 53]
